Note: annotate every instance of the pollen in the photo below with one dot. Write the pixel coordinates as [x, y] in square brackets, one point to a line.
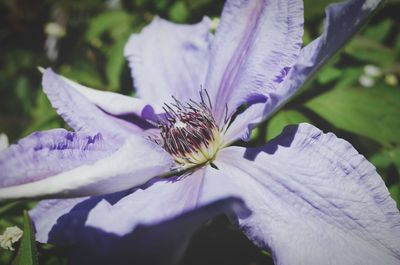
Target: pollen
[190, 133]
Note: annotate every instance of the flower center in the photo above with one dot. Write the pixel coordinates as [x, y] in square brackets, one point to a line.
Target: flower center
[190, 133]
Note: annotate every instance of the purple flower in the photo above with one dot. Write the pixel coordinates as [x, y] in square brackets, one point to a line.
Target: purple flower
[141, 174]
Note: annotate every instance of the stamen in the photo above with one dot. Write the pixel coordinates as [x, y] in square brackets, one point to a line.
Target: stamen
[189, 133]
[208, 97]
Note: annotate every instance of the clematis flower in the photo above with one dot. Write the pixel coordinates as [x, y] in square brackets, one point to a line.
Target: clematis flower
[139, 175]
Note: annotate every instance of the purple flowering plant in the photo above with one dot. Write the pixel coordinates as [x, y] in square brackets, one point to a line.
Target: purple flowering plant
[137, 176]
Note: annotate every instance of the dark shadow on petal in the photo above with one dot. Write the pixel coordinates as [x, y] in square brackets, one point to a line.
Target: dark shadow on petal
[256, 98]
[139, 121]
[285, 139]
[162, 243]
[75, 219]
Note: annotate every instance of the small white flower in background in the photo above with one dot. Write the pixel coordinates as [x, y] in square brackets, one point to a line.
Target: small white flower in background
[372, 70]
[391, 80]
[113, 4]
[54, 29]
[366, 81]
[3, 141]
[10, 236]
[54, 32]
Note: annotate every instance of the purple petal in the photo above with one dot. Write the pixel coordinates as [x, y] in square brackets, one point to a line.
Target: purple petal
[156, 223]
[244, 123]
[257, 42]
[80, 113]
[163, 243]
[46, 215]
[164, 199]
[161, 200]
[314, 198]
[343, 20]
[75, 164]
[168, 59]
[43, 154]
[114, 103]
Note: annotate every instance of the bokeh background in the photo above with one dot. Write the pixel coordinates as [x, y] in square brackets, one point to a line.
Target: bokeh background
[356, 95]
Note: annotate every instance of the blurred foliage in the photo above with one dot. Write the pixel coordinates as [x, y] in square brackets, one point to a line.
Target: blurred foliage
[84, 41]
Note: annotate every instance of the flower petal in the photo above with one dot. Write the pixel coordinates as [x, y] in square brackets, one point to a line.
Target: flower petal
[114, 103]
[314, 199]
[156, 223]
[79, 112]
[162, 200]
[342, 22]
[244, 123]
[168, 59]
[73, 164]
[43, 154]
[47, 214]
[256, 44]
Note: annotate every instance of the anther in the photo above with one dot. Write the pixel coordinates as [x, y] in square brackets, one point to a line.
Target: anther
[189, 132]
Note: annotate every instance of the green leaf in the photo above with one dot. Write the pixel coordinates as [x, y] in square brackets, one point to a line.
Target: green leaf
[255, 133]
[397, 44]
[281, 119]
[349, 77]
[314, 9]
[22, 92]
[328, 74]
[84, 72]
[380, 31]
[370, 51]
[179, 12]
[104, 22]
[5, 208]
[44, 116]
[115, 63]
[370, 112]
[27, 253]
[386, 157]
[306, 37]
